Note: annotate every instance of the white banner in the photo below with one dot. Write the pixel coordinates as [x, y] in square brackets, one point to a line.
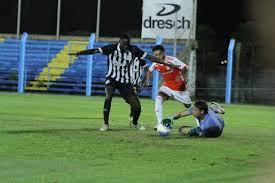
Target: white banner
[167, 18]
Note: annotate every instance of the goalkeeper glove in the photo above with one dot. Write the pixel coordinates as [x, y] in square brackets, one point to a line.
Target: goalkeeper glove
[168, 122]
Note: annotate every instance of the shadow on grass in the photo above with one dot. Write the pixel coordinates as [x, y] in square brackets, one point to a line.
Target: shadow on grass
[52, 117]
[62, 130]
[156, 136]
[177, 136]
[78, 118]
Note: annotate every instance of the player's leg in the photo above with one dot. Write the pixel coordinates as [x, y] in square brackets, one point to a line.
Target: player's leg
[184, 98]
[190, 131]
[128, 93]
[109, 89]
[163, 95]
[217, 108]
[136, 88]
[158, 105]
[213, 132]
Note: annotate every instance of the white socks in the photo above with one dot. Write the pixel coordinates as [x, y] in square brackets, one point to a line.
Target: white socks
[158, 109]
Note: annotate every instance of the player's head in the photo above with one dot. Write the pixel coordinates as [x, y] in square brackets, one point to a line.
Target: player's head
[200, 108]
[158, 51]
[124, 41]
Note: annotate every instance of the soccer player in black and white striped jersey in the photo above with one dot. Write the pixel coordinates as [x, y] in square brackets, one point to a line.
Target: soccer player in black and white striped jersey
[120, 59]
[139, 69]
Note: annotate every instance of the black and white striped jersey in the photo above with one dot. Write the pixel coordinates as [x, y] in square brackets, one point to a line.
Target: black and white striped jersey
[120, 61]
[137, 68]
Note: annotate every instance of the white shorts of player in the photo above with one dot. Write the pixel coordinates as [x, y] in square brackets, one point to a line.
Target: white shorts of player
[181, 96]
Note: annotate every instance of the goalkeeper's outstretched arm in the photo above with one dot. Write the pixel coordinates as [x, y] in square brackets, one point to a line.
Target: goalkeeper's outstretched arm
[184, 113]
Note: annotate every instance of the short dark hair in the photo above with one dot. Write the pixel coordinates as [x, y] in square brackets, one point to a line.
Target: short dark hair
[158, 47]
[201, 105]
[124, 36]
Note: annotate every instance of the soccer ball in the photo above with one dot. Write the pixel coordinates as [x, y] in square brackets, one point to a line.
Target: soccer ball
[163, 130]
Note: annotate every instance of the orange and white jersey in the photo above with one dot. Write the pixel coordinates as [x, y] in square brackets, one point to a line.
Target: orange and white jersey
[172, 77]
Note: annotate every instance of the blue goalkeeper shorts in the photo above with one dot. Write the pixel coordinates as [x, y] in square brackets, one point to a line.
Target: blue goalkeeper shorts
[195, 132]
[211, 132]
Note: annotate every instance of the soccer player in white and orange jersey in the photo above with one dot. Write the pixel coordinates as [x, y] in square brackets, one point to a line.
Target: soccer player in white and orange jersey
[174, 84]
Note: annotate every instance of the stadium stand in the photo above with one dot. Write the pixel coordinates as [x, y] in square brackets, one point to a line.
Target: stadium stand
[38, 54]
[49, 68]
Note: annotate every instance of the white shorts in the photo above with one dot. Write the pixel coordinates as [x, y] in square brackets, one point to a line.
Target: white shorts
[181, 96]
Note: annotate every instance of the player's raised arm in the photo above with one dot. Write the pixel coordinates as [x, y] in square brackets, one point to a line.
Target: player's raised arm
[106, 50]
[182, 66]
[86, 52]
[142, 54]
[156, 60]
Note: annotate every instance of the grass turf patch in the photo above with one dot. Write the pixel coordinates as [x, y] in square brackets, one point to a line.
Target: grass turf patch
[55, 138]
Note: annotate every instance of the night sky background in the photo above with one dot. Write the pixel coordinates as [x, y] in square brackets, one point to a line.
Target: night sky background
[79, 17]
[251, 22]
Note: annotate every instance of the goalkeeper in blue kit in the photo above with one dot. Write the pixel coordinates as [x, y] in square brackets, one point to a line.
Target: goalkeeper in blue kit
[210, 123]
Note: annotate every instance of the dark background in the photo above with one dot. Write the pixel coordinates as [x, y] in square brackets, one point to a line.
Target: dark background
[79, 17]
[250, 22]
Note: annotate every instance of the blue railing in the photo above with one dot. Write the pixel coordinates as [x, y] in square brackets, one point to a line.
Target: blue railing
[21, 68]
[90, 67]
[156, 74]
[229, 71]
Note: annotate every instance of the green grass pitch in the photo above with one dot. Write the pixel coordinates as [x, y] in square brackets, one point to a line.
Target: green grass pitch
[55, 139]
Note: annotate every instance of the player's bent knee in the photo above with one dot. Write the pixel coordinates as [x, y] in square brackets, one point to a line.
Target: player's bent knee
[163, 96]
[183, 130]
[135, 104]
[108, 97]
[137, 108]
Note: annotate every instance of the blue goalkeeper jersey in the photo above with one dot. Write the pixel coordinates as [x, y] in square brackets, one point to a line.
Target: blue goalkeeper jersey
[211, 119]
